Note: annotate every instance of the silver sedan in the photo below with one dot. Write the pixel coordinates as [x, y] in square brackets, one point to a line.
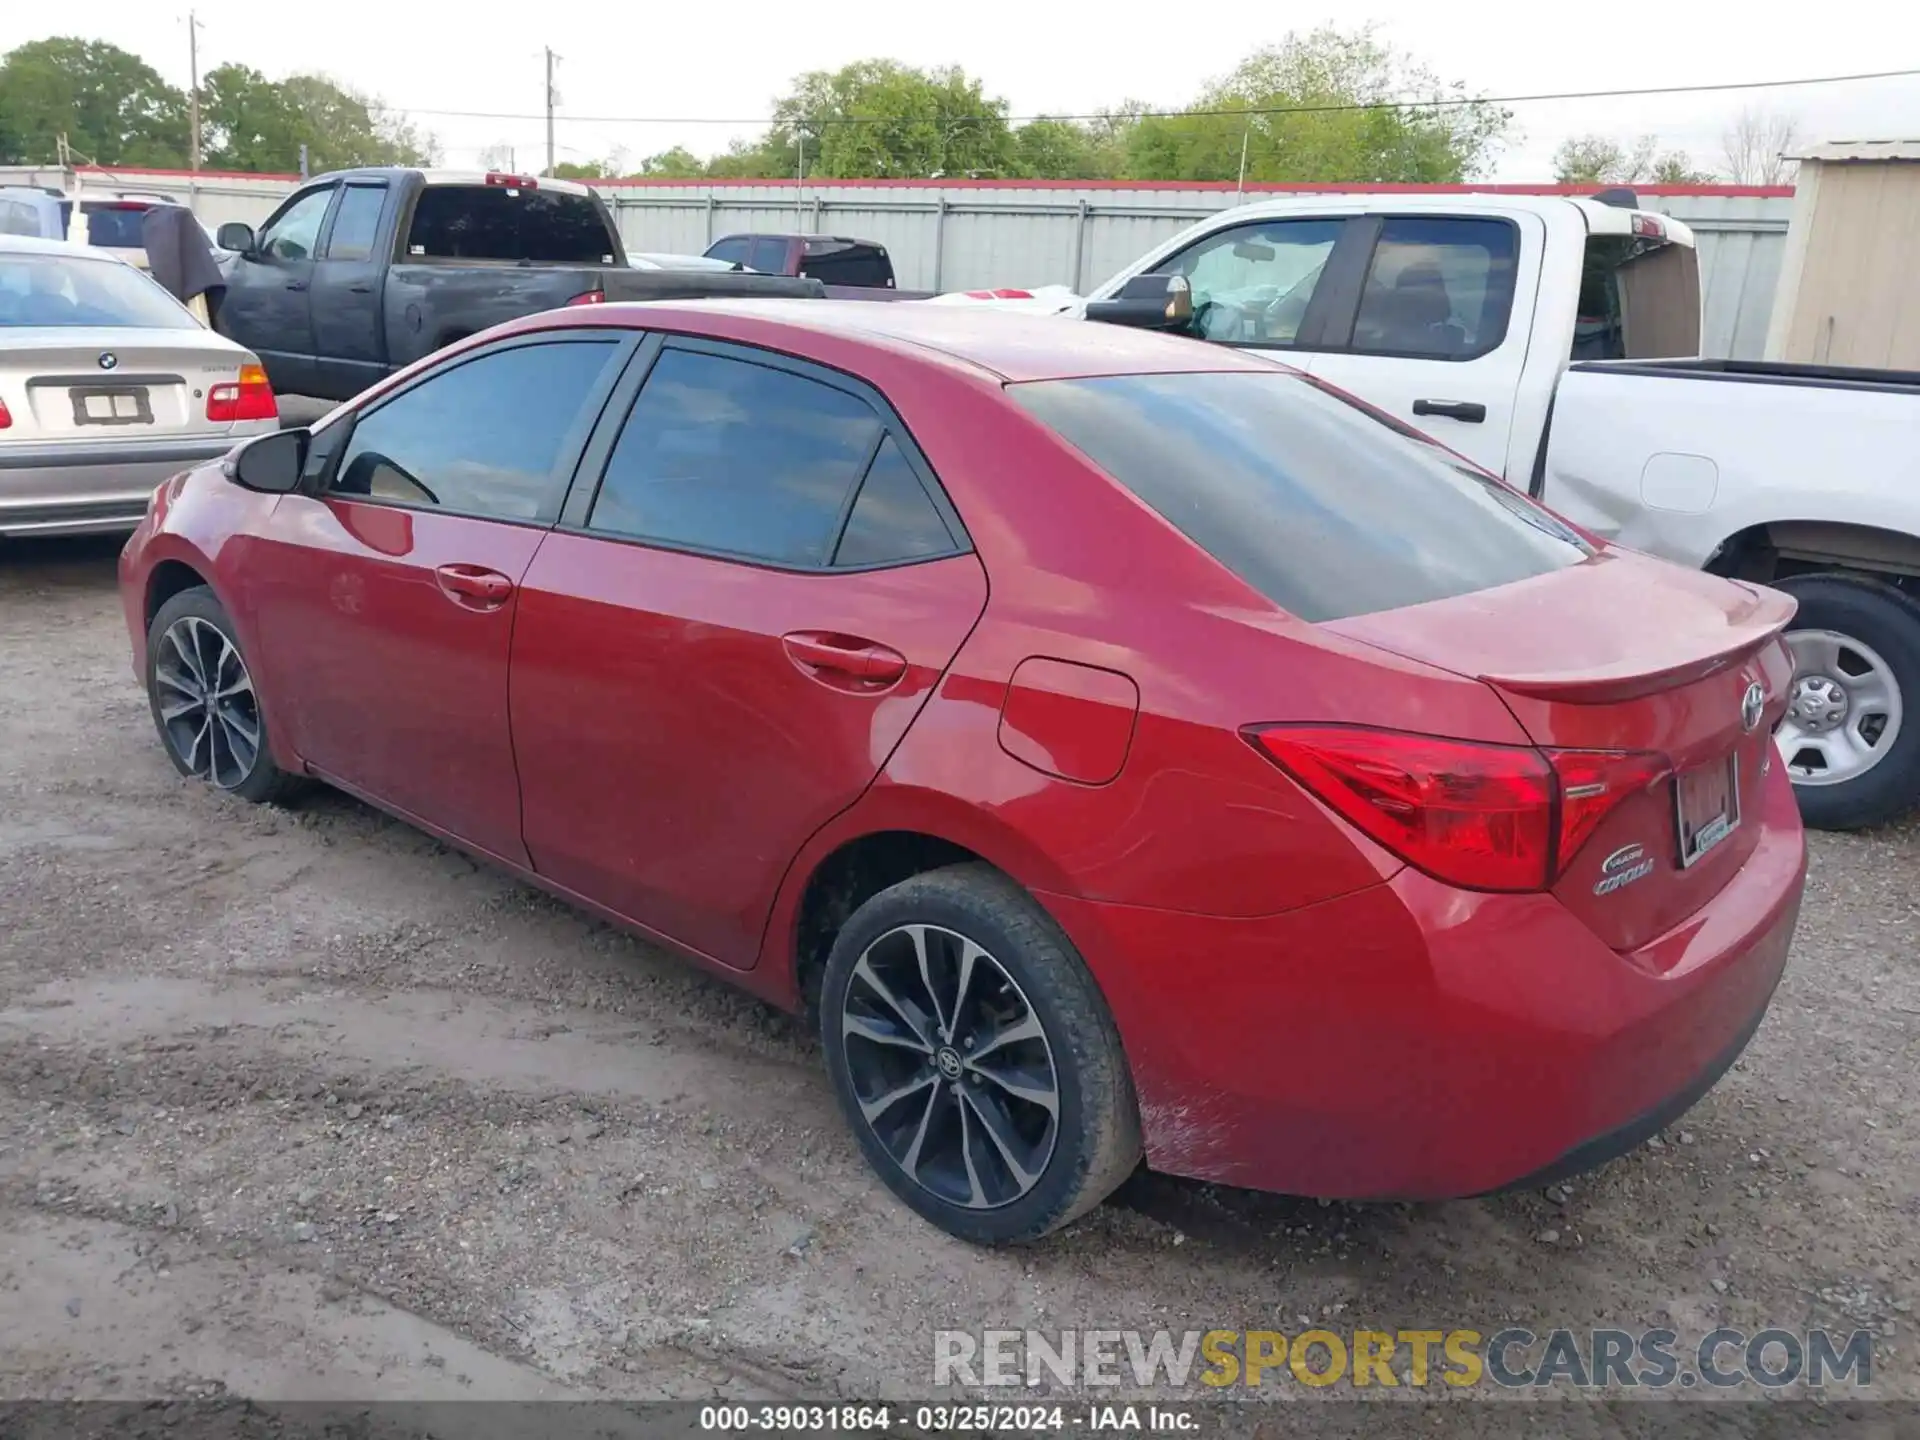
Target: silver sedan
[108, 385]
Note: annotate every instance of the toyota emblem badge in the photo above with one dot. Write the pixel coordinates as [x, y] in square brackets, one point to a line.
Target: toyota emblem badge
[108, 360]
[1752, 706]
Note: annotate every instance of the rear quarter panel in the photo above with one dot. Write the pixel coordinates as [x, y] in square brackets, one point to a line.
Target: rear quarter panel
[1675, 464]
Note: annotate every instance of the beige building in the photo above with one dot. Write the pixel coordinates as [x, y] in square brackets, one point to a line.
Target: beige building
[1849, 290]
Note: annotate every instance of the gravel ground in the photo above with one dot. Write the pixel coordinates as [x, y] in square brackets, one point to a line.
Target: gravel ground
[303, 1104]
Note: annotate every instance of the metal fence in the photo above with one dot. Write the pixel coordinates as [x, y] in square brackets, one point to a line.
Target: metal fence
[971, 235]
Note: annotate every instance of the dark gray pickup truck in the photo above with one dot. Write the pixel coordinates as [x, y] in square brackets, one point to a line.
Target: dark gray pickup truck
[362, 272]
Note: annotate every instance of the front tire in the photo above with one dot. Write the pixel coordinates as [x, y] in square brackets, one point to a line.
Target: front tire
[1851, 736]
[204, 705]
[974, 1057]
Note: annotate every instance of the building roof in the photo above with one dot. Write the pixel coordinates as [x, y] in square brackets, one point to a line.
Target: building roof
[1843, 151]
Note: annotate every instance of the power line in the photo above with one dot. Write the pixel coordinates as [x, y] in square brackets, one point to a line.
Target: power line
[1446, 103]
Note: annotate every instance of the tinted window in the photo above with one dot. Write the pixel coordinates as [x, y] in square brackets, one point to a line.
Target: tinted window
[836, 264]
[1252, 284]
[295, 232]
[1309, 499]
[356, 222]
[893, 519]
[482, 438]
[80, 290]
[733, 250]
[768, 256]
[492, 222]
[729, 456]
[1437, 288]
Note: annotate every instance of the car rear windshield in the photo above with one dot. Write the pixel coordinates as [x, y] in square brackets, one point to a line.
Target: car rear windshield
[493, 222]
[114, 224]
[1325, 509]
[69, 291]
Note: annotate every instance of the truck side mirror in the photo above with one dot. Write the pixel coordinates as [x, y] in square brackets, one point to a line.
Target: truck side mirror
[237, 236]
[1148, 302]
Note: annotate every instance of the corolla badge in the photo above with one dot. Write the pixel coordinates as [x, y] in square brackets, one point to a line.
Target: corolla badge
[1752, 706]
[1624, 866]
[108, 360]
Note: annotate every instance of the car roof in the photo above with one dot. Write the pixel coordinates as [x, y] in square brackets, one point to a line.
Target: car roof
[1007, 346]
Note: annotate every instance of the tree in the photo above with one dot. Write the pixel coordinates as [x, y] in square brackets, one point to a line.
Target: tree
[1326, 106]
[1754, 148]
[1598, 160]
[1048, 149]
[344, 128]
[879, 118]
[582, 170]
[679, 163]
[113, 107]
[247, 122]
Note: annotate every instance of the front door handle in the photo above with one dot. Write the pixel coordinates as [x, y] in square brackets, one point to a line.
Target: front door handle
[474, 586]
[361, 289]
[296, 284]
[845, 656]
[1471, 411]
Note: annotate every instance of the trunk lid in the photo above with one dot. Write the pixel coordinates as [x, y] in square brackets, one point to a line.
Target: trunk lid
[59, 384]
[1625, 653]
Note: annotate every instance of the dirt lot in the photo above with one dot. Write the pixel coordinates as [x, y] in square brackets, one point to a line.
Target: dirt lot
[304, 1104]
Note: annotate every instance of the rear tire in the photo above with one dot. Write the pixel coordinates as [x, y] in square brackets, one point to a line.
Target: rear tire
[200, 690]
[1851, 737]
[1000, 1108]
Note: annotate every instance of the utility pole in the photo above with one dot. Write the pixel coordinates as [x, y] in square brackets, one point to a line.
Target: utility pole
[193, 105]
[552, 99]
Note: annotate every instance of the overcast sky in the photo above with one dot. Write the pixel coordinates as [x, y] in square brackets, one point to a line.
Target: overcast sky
[691, 60]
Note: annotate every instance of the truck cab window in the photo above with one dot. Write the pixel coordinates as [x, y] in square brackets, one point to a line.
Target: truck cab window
[493, 222]
[1439, 289]
[1639, 300]
[295, 231]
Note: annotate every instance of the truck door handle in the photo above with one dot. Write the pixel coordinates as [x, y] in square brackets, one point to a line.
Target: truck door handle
[474, 586]
[361, 289]
[296, 284]
[1470, 411]
[845, 655]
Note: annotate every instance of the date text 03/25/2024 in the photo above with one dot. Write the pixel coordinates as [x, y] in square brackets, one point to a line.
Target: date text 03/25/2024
[935, 1419]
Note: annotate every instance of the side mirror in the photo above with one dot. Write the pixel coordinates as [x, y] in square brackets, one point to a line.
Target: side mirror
[235, 235]
[271, 464]
[1148, 302]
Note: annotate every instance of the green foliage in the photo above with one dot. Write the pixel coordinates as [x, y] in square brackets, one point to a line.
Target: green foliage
[679, 163]
[1597, 160]
[113, 107]
[1318, 77]
[1048, 149]
[881, 119]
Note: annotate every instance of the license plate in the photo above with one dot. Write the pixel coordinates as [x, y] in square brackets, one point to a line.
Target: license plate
[105, 405]
[1708, 799]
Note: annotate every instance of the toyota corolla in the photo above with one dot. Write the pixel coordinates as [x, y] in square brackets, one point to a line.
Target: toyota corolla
[1128, 749]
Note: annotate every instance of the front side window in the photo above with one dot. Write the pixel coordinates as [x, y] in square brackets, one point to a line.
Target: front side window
[1322, 508]
[484, 437]
[733, 250]
[1252, 284]
[64, 291]
[294, 233]
[1439, 288]
[735, 458]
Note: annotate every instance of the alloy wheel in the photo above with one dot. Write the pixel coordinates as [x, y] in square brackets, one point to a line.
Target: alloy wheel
[1845, 709]
[950, 1066]
[205, 700]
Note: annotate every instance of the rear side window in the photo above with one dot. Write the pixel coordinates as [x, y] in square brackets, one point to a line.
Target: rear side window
[893, 519]
[356, 222]
[481, 438]
[768, 256]
[493, 222]
[837, 264]
[1439, 288]
[1325, 510]
[734, 458]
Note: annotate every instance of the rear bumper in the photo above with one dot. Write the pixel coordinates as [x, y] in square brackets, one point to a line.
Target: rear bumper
[1413, 1041]
[69, 489]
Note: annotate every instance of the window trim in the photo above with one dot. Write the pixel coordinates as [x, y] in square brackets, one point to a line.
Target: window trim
[591, 472]
[626, 343]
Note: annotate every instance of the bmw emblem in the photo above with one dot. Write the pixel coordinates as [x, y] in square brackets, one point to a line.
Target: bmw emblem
[108, 360]
[1752, 705]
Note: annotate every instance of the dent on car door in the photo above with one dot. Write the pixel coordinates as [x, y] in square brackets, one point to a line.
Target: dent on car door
[723, 641]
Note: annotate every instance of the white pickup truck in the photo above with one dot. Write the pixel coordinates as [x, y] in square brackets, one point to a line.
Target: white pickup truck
[1525, 333]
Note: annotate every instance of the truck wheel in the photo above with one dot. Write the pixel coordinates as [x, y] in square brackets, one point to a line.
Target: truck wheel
[1851, 735]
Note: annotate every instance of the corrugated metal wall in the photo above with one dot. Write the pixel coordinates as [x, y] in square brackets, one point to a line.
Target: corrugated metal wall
[964, 237]
[1852, 294]
[971, 236]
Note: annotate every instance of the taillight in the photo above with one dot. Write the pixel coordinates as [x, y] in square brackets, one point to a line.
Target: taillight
[591, 297]
[6, 420]
[1483, 817]
[251, 399]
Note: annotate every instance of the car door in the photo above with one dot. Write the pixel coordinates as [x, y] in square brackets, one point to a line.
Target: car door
[349, 326]
[390, 592]
[1429, 333]
[268, 306]
[727, 635]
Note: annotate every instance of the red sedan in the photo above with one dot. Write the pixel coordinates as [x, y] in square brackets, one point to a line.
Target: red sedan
[1125, 746]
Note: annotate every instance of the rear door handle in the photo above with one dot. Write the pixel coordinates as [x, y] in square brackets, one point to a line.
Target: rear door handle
[474, 586]
[361, 289]
[296, 284]
[1471, 411]
[845, 655]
